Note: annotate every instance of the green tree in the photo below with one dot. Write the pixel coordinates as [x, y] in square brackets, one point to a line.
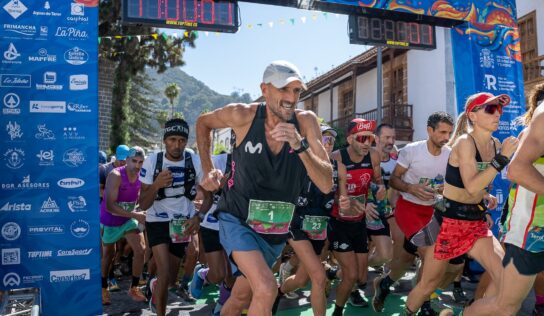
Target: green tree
[132, 48]
[172, 92]
[142, 124]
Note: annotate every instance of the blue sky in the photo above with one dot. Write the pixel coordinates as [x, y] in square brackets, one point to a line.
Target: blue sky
[235, 62]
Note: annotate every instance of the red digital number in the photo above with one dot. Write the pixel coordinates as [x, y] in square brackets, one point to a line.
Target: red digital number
[190, 13]
[171, 6]
[207, 13]
[414, 33]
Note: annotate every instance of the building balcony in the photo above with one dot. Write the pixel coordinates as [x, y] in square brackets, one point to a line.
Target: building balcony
[533, 70]
[400, 116]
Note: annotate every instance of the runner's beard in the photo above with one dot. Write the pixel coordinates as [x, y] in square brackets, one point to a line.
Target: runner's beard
[286, 106]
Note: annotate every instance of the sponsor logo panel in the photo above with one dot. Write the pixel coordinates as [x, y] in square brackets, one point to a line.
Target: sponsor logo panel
[11, 231]
[11, 256]
[11, 104]
[69, 275]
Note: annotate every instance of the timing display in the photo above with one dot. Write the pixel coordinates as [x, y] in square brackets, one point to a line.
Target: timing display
[394, 33]
[206, 15]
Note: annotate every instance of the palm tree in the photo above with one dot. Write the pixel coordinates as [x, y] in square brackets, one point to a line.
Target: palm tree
[172, 92]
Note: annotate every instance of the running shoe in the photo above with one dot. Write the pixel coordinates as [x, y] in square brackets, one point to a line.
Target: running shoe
[136, 295]
[426, 310]
[106, 297]
[284, 274]
[224, 294]
[380, 294]
[355, 299]
[217, 309]
[113, 286]
[197, 283]
[459, 295]
[183, 293]
[151, 289]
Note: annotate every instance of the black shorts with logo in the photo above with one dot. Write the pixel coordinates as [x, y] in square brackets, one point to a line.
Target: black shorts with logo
[298, 235]
[347, 236]
[526, 262]
[159, 233]
[210, 240]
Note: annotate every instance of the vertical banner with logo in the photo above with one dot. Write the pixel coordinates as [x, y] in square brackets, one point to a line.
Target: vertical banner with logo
[49, 224]
[488, 59]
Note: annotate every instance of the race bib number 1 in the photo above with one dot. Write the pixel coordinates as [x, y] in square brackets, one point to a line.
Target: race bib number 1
[177, 229]
[270, 217]
[315, 227]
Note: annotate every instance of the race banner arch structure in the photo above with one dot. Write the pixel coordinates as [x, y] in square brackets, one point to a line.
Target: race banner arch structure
[49, 220]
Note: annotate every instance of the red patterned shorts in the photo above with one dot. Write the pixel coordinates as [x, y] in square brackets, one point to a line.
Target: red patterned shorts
[457, 237]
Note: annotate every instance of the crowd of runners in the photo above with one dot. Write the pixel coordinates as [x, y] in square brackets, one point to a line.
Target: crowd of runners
[285, 202]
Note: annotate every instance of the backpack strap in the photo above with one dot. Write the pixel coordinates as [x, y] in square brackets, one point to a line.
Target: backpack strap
[190, 177]
[158, 169]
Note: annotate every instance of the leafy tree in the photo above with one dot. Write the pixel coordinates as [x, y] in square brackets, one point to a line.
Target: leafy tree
[133, 47]
[172, 92]
[142, 124]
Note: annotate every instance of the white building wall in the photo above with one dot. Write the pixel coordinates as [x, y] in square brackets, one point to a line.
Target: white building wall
[527, 6]
[367, 95]
[427, 83]
[324, 105]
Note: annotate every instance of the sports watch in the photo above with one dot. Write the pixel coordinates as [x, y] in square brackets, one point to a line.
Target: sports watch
[303, 146]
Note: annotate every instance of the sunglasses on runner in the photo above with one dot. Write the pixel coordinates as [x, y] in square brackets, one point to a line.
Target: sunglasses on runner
[328, 140]
[363, 138]
[489, 108]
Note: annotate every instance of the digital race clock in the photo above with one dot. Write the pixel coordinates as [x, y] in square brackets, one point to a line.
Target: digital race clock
[370, 30]
[206, 15]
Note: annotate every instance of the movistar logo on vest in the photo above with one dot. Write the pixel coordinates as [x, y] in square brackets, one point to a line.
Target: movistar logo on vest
[249, 148]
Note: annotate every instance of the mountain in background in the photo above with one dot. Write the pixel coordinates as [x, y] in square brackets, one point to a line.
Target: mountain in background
[194, 97]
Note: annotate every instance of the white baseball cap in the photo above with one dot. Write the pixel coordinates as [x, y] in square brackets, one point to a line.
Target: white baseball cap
[280, 73]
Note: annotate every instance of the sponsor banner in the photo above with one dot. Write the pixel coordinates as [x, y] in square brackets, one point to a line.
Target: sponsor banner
[49, 121]
[490, 63]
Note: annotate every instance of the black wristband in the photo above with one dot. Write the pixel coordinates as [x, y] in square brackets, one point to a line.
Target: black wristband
[499, 162]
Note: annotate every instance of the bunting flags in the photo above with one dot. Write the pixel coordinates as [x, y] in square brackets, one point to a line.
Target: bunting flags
[185, 34]
[250, 26]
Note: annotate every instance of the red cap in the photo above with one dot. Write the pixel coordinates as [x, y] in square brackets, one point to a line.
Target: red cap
[484, 98]
[361, 125]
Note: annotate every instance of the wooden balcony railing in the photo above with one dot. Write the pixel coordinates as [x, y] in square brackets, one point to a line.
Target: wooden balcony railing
[400, 116]
[533, 69]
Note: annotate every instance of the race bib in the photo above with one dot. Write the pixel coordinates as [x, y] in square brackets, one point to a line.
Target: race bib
[177, 229]
[315, 227]
[270, 217]
[127, 206]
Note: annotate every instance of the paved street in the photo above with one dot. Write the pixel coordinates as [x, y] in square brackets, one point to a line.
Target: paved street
[123, 305]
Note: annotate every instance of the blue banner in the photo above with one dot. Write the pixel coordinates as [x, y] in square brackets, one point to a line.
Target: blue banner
[488, 59]
[49, 223]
